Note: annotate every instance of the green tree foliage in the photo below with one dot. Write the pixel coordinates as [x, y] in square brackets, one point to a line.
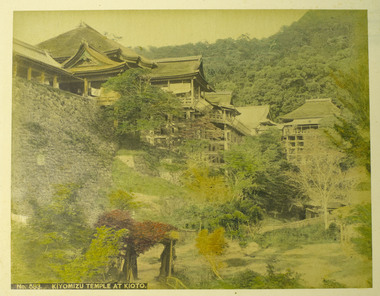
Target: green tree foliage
[122, 200]
[54, 235]
[211, 247]
[100, 261]
[256, 169]
[274, 280]
[240, 218]
[285, 69]
[353, 127]
[141, 106]
[361, 216]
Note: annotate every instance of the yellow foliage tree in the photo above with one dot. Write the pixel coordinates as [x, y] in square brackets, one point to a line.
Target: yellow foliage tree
[211, 247]
[207, 187]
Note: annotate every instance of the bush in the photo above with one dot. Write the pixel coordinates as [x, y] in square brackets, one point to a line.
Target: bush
[273, 280]
[293, 237]
[332, 284]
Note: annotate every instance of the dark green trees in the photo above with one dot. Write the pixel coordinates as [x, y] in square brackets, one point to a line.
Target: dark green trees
[141, 106]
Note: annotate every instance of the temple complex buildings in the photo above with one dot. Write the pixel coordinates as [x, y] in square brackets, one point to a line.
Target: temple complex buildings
[81, 60]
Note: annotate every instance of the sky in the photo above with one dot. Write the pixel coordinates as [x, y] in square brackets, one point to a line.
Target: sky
[155, 28]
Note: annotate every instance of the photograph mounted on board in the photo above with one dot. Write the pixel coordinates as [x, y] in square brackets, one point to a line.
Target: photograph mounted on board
[190, 149]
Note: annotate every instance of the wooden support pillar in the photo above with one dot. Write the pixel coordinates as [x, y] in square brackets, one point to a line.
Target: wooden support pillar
[29, 75]
[170, 258]
[167, 257]
[85, 87]
[42, 78]
[192, 89]
[55, 82]
[225, 137]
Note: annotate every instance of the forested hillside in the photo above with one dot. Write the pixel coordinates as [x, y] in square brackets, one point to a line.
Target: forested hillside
[285, 69]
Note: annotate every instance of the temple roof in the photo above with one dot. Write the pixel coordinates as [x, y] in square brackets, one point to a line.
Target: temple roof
[317, 108]
[66, 44]
[178, 66]
[183, 67]
[87, 59]
[221, 99]
[34, 53]
[254, 116]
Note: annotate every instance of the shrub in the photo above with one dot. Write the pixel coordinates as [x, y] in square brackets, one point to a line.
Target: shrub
[332, 284]
[293, 237]
[273, 280]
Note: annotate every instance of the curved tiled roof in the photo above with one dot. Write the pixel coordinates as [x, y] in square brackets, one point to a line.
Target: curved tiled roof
[316, 108]
[32, 52]
[221, 99]
[253, 116]
[66, 44]
[178, 66]
[98, 61]
[38, 56]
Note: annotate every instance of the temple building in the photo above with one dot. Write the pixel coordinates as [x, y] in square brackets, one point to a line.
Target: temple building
[34, 64]
[299, 125]
[256, 118]
[82, 59]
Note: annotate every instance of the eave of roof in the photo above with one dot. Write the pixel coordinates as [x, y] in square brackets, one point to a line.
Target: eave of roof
[181, 67]
[35, 55]
[316, 108]
[254, 116]
[221, 99]
[105, 65]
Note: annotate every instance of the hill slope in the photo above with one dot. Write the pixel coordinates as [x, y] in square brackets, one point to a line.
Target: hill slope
[286, 68]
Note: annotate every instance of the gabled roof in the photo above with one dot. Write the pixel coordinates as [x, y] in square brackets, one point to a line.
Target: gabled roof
[34, 53]
[66, 44]
[183, 67]
[316, 108]
[178, 66]
[87, 59]
[221, 99]
[254, 116]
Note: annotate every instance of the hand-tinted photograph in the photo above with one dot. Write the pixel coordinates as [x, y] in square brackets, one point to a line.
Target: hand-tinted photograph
[190, 149]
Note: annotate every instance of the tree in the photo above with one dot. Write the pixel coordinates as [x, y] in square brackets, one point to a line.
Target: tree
[353, 127]
[211, 247]
[141, 106]
[100, 261]
[256, 169]
[55, 234]
[321, 176]
[122, 200]
[141, 237]
[206, 185]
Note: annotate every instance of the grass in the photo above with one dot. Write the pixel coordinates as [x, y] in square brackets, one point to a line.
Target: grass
[127, 179]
